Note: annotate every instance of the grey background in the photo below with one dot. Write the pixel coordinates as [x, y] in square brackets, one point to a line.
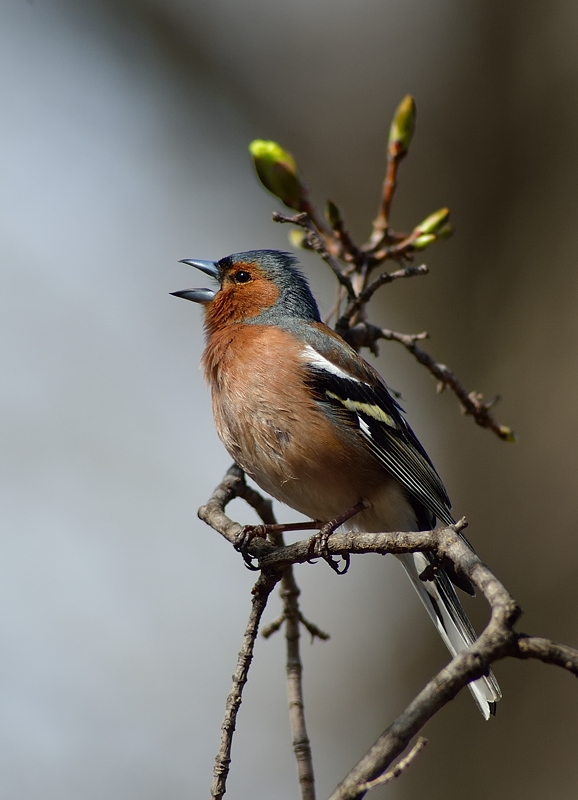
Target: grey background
[123, 131]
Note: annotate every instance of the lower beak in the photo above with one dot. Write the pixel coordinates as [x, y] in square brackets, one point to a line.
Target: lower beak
[196, 295]
[199, 295]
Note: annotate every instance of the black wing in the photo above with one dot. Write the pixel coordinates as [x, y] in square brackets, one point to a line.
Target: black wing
[380, 422]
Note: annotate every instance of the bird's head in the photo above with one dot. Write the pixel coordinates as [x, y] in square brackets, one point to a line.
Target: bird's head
[260, 286]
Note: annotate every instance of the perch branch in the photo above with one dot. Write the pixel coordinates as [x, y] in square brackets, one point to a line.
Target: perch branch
[289, 592]
[499, 639]
[234, 485]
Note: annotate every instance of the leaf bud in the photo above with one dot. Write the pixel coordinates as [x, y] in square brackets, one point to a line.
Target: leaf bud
[298, 239]
[423, 241]
[402, 127]
[333, 214]
[278, 172]
[507, 434]
[434, 222]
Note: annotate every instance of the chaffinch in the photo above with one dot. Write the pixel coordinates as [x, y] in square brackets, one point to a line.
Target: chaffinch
[314, 425]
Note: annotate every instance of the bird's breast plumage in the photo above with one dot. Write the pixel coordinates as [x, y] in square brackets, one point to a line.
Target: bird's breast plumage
[274, 429]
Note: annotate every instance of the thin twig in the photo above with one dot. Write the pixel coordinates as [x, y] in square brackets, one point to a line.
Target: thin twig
[549, 652]
[471, 402]
[301, 744]
[362, 299]
[261, 592]
[316, 243]
[365, 334]
[289, 592]
[399, 768]
[350, 250]
[314, 631]
[381, 222]
[403, 248]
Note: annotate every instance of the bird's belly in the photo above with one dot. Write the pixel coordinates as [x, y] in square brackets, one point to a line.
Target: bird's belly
[319, 481]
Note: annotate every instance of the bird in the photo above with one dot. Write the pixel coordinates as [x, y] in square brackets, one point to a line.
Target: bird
[315, 426]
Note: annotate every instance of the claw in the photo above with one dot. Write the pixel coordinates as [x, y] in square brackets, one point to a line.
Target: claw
[246, 535]
[318, 546]
[244, 538]
[334, 563]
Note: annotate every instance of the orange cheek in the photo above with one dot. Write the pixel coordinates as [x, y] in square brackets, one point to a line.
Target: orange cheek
[234, 304]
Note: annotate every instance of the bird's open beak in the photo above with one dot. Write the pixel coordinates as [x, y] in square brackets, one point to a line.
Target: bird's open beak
[199, 295]
[196, 295]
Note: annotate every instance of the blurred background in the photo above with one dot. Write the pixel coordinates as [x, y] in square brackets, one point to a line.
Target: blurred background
[124, 127]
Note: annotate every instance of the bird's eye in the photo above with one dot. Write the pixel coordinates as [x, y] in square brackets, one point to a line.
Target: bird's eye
[242, 276]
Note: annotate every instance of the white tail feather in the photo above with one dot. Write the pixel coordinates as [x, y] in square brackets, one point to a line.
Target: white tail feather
[454, 627]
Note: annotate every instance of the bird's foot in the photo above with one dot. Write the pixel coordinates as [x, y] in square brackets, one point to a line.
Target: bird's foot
[244, 538]
[319, 542]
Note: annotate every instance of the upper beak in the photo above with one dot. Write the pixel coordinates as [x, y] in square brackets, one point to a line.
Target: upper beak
[199, 295]
[209, 267]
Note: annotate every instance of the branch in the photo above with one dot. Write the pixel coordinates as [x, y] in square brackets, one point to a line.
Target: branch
[261, 592]
[234, 485]
[400, 767]
[355, 305]
[549, 652]
[499, 639]
[381, 222]
[364, 334]
[315, 242]
[301, 745]
[292, 617]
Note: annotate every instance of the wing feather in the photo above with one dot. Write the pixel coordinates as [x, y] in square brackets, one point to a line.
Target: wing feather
[380, 422]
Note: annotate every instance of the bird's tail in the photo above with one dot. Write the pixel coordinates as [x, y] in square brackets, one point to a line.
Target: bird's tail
[442, 604]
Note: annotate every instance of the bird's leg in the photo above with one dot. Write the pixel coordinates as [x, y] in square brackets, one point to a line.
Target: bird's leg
[318, 542]
[250, 532]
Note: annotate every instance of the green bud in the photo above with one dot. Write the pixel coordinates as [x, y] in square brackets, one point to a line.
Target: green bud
[333, 214]
[434, 222]
[402, 126]
[507, 434]
[278, 172]
[424, 241]
[298, 239]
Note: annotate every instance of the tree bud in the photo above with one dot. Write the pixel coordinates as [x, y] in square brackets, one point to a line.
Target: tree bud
[298, 239]
[402, 127]
[507, 434]
[278, 172]
[333, 214]
[423, 241]
[434, 222]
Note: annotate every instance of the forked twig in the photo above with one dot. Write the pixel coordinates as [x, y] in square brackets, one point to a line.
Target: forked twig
[399, 768]
[235, 486]
[498, 640]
